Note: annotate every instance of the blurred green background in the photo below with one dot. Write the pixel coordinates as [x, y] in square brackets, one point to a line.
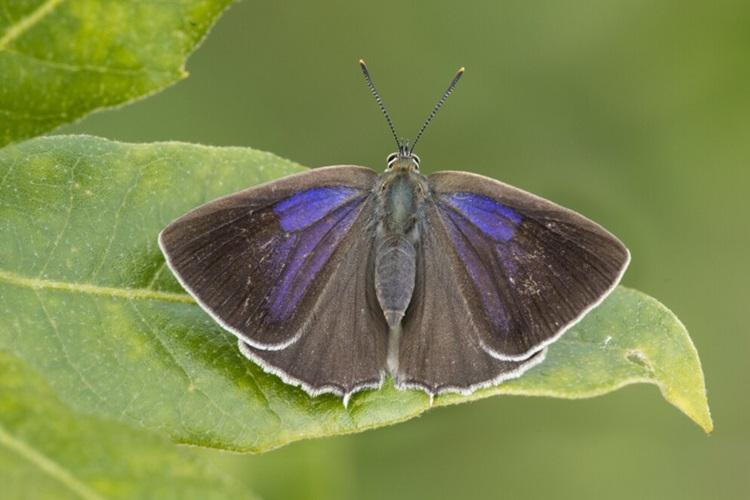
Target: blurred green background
[635, 113]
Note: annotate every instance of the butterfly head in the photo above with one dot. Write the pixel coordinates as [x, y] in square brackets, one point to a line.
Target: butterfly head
[402, 160]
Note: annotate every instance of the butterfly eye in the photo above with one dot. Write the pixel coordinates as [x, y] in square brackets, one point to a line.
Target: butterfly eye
[416, 159]
[392, 158]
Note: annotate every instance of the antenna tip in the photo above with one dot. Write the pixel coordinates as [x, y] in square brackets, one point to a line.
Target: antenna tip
[362, 62]
[460, 70]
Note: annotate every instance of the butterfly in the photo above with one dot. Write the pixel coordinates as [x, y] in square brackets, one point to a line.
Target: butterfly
[337, 276]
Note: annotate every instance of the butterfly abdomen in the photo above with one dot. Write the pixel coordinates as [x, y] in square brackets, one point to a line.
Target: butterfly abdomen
[395, 254]
[395, 268]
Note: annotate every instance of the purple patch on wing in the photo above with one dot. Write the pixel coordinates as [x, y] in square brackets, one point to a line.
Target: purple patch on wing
[492, 218]
[467, 239]
[306, 208]
[305, 253]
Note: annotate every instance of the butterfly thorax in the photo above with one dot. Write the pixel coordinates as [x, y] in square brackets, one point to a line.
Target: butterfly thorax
[401, 196]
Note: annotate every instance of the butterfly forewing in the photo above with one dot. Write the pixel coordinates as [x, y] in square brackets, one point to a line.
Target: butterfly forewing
[527, 268]
[263, 263]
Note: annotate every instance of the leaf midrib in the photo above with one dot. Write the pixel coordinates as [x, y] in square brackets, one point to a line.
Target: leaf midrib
[26, 23]
[46, 465]
[92, 289]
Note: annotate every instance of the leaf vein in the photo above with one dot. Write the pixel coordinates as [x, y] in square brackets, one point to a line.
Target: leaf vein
[192, 385]
[118, 216]
[68, 215]
[28, 22]
[92, 68]
[87, 288]
[157, 273]
[64, 350]
[34, 117]
[161, 343]
[7, 173]
[47, 465]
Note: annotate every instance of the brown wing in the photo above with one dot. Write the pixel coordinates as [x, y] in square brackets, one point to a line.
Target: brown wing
[527, 268]
[440, 347]
[342, 347]
[271, 265]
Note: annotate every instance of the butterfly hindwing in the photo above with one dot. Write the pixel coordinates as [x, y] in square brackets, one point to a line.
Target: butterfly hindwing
[527, 268]
[264, 262]
[342, 349]
[440, 347]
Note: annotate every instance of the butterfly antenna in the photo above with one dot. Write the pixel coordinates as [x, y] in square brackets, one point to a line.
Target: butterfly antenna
[439, 104]
[379, 100]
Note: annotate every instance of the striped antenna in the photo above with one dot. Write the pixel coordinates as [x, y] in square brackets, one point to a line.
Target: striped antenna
[439, 104]
[378, 99]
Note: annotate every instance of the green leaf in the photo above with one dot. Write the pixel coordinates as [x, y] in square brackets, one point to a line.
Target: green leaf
[86, 300]
[62, 60]
[48, 451]
[629, 338]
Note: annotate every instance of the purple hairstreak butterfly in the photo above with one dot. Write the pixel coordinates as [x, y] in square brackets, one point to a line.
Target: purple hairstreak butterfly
[335, 277]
